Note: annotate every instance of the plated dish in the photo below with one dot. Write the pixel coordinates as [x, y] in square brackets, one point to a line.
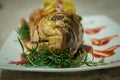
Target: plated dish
[52, 36]
[12, 46]
[56, 39]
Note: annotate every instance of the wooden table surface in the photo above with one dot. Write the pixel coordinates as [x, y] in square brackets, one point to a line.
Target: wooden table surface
[11, 12]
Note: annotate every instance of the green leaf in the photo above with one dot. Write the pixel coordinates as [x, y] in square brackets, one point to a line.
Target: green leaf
[23, 31]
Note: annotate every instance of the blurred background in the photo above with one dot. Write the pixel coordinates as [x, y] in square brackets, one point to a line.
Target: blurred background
[11, 11]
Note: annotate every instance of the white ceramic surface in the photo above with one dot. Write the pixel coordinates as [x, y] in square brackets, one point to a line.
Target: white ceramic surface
[11, 48]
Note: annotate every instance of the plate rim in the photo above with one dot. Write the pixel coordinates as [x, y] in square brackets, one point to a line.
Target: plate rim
[78, 69]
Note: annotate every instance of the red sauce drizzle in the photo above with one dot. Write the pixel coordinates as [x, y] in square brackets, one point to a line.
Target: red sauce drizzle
[94, 31]
[21, 61]
[105, 53]
[101, 53]
[103, 41]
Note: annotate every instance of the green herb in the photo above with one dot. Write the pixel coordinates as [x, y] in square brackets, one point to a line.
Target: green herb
[21, 44]
[23, 31]
[49, 58]
[57, 58]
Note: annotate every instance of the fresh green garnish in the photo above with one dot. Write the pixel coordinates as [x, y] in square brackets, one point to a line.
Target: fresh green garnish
[21, 45]
[23, 31]
[45, 57]
[58, 59]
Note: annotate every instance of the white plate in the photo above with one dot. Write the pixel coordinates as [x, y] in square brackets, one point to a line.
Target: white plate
[11, 48]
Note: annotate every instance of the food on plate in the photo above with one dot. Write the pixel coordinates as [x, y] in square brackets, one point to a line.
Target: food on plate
[55, 26]
[53, 36]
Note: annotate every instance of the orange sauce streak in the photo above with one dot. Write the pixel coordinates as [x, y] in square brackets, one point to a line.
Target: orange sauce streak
[103, 41]
[101, 53]
[94, 30]
[105, 53]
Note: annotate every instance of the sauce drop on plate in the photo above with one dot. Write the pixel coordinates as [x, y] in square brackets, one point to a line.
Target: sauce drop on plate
[105, 53]
[103, 41]
[21, 61]
[94, 30]
[101, 53]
